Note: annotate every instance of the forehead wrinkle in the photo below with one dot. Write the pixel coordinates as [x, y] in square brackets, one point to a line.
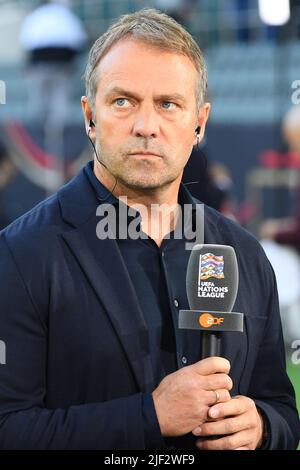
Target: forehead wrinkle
[129, 72]
[123, 91]
[137, 82]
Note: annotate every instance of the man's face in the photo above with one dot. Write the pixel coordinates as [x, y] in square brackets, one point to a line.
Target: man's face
[145, 103]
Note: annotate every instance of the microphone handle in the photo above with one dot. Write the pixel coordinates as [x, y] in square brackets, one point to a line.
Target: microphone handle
[210, 344]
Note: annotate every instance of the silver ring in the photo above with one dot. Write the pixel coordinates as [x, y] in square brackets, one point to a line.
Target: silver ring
[217, 396]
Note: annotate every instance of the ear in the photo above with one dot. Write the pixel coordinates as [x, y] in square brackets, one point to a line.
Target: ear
[202, 120]
[88, 115]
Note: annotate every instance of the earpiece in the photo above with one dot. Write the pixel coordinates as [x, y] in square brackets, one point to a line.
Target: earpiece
[91, 124]
[197, 130]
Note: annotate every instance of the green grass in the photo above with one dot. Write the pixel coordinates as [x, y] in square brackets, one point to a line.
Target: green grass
[294, 374]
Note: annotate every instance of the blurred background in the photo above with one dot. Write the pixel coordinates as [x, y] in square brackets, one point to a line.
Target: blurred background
[249, 164]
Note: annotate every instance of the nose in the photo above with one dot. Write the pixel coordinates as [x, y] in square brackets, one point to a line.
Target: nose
[146, 122]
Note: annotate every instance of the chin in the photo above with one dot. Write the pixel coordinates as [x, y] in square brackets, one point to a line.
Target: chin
[147, 183]
[143, 184]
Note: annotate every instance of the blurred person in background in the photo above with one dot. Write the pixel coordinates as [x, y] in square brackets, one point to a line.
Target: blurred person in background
[281, 237]
[52, 36]
[287, 231]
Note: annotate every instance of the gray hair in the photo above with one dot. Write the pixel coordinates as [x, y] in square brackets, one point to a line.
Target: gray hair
[152, 27]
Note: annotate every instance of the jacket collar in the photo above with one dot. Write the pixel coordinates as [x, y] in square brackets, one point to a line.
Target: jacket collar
[102, 263]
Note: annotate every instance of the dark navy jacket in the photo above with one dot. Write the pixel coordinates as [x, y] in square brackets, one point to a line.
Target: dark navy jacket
[78, 370]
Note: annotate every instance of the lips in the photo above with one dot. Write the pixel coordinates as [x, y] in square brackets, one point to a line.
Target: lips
[143, 153]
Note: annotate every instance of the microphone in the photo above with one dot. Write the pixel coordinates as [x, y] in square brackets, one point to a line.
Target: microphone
[212, 284]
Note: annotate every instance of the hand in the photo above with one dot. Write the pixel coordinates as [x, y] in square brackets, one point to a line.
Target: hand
[183, 398]
[237, 419]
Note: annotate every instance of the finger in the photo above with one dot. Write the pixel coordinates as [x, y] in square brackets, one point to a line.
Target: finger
[210, 396]
[231, 408]
[212, 365]
[219, 396]
[222, 427]
[215, 382]
[234, 441]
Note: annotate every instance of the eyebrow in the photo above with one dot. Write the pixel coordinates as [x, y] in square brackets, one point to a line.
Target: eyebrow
[164, 97]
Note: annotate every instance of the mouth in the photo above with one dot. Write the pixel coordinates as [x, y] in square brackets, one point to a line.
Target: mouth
[142, 153]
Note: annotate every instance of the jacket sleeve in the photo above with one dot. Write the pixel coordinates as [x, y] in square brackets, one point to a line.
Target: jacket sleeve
[25, 423]
[270, 386]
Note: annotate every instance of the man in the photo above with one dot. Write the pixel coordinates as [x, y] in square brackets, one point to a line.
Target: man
[94, 356]
[52, 36]
[287, 231]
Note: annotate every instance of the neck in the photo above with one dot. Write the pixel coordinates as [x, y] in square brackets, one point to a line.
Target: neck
[158, 207]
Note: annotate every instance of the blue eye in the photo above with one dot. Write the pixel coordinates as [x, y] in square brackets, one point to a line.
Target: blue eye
[168, 105]
[120, 102]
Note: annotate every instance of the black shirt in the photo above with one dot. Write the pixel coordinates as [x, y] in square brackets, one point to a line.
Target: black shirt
[158, 275]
